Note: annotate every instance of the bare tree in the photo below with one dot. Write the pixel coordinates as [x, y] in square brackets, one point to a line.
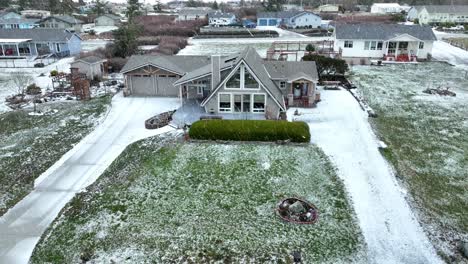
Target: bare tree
[21, 81]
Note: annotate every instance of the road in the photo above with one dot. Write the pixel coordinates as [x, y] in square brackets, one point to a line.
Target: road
[22, 226]
[390, 229]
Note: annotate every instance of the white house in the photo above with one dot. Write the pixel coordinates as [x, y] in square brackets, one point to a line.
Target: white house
[386, 8]
[329, 8]
[186, 14]
[290, 19]
[436, 14]
[35, 13]
[413, 13]
[107, 20]
[219, 18]
[390, 42]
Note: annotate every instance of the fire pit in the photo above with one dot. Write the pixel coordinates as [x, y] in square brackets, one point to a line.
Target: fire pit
[297, 211]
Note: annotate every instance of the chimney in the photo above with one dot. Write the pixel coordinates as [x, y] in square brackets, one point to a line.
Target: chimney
[215, 71]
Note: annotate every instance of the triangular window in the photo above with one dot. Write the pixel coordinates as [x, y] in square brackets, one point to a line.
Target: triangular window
[242, 79]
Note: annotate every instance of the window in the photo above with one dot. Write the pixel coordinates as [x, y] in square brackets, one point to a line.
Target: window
[162, 76]
[366, 45]
[200, 90]
[235, 81]
[348, 44]
[379, 45]
[58, 47]
[421, 45]
[259, 103]
[238, 103]
[246, 103]
[282, 85]
[225, 102]
[373, 45]
[249, 81]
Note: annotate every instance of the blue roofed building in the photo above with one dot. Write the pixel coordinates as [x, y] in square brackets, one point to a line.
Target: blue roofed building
[289, 19]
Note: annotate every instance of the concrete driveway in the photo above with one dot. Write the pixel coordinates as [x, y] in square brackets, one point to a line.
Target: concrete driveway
[22, 226]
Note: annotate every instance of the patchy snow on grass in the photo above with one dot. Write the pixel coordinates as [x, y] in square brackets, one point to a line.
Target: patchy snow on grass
[443, 51]
[206, 203]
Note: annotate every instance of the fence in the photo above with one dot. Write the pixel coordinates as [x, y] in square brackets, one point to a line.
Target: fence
[25, 63]
[461, 43]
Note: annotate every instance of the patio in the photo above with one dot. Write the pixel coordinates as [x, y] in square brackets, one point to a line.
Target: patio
[191, 111]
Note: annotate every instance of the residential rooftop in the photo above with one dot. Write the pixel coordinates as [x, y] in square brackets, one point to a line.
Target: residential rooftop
[382, 31]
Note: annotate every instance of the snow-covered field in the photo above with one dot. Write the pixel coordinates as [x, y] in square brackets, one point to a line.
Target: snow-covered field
[206, 203]
[93, 44]
[427, 138]
[443, 51]
[98, 29]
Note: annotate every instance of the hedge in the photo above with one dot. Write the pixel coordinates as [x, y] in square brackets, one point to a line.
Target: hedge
[250, 130]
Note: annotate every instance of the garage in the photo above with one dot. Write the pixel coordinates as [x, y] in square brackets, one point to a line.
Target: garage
[141, 85]
[153, 85]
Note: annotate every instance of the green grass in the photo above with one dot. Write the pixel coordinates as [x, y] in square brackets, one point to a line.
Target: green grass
[172, 202]
[29, 145]
[427, 137]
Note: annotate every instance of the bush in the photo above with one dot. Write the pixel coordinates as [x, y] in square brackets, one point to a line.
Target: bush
[53, 73]
[39, 65]
[33, 89]
[250, 130]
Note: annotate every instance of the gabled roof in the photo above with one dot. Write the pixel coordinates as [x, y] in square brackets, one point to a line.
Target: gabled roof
[282, 14]
[65, 18]
[226, 62]
[286, 70]
[38, 34]
[452, 9]
[195, 11]
[18, 21]
[219, 14]
[4, 13]
[254, 62]
[382, 31]
[111, 16]
[90, 59]
[175, 64]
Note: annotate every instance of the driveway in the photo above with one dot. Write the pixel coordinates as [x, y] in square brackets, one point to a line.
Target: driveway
[341, 129]
[22, 226]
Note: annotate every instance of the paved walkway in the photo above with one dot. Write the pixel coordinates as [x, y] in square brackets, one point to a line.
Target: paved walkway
[22, 226]
[391, 231]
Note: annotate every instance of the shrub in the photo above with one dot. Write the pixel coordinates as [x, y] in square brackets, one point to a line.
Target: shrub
[53, 73]
[39, 65]
[33, 89]
[250, 130]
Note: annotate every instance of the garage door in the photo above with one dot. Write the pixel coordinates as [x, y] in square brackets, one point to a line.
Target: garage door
[165, 87]
[142, 85]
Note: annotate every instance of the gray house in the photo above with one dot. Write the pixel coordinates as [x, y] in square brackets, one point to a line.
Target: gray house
[290, 19]
[107, 20]
[193, 13]
[240, 84]
[30, 43]
[92, 66]
[63, 22]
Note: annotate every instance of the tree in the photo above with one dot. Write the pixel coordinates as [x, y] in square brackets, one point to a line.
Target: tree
[126, 40]
[99, 7]
[310, 48]
[326, 65]
[242, 3]
[157, 7]
[23, 4]
[215, 5]
[133, 10]
[5, 3]
[273, 5]
[21, 81]
[54, 6]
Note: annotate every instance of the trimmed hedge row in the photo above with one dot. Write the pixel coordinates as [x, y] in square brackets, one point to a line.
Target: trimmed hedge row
[250, 130]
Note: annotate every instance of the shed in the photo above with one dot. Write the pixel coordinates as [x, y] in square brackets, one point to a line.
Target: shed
[92, 66]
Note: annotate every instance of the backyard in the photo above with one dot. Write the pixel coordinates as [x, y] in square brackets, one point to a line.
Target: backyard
[30, 144]
[427, 138]
[196, 202]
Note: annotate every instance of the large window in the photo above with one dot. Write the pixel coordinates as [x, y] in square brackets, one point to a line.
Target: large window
[373, 45]
[225, 103]
[242, 79]
[421, 45]
[348, 44]
[259, 103]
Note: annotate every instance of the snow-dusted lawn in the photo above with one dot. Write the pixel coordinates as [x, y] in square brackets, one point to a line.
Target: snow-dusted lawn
[163, 202]
[29, 145]
[427, 137]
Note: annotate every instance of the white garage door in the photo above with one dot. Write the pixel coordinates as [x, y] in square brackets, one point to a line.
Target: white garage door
[142, 85]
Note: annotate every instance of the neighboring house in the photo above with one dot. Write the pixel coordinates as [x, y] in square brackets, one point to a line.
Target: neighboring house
[35, 13]
[436, 14]
[290, 19]
[30, 43]
[92, 66]
[329, 8]
[386, 8]
[9, 15]
[413, 13]
[292, 7]
[21, 23]
[219, 18]
[107, 20]
[390, 42]
[243, 83]
[193, 13]
[62, 22]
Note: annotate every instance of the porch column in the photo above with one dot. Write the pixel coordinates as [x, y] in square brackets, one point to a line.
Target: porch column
[17, 49]
[387, 43]
[291, 96]
[180, 95]
[311, 94]
[396, 49]
[3, 50]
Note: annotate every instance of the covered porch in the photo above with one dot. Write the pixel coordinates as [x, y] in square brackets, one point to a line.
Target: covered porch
[17, 48]
[403, 49]
[301, 93]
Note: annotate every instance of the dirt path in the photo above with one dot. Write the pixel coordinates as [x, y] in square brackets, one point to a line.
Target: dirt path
[22, 226]
[341, 129]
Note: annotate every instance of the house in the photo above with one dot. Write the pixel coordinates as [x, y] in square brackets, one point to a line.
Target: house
[219, 18]
[290, 19]
[194, 13]
[62, 22]
[386, 8]
[92, 66]
[436, 14]
[292, 7]
[329, 8]
[247, 23]
[107, 20]
[35, 13]
[21, 23]
[9, 15]
[242, 83]
[30, 43]
[413, 13]
[390, 42]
